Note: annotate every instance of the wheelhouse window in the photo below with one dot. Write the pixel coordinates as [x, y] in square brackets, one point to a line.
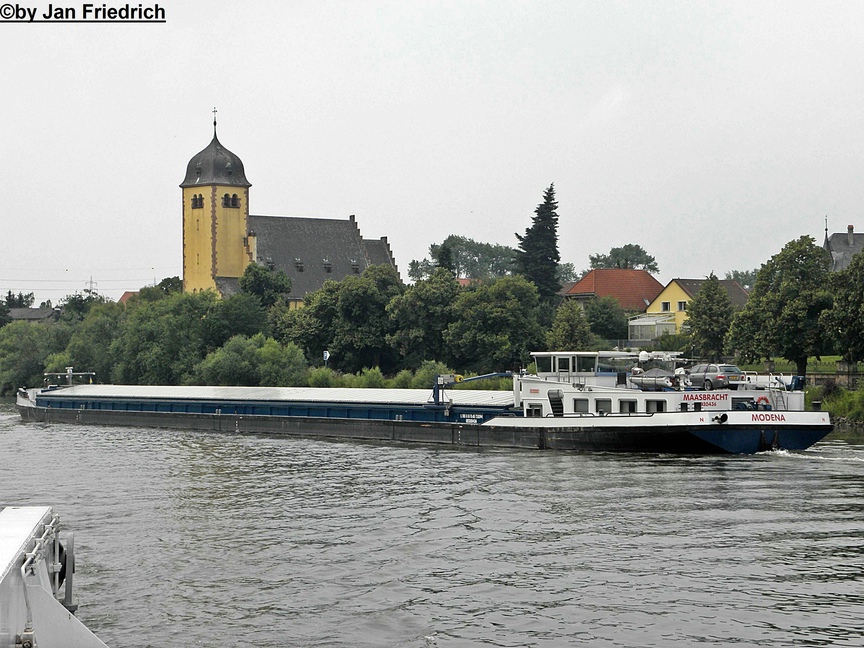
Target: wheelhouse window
[603, 405]
[534, 410]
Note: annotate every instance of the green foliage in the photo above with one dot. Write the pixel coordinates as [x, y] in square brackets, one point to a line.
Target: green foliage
[168, 286]
[5, 318]
[844, 321]
[709, 316]
[842, 403]
[322, 377]
[537, 257]
[349, 319]
[424, 377]
[240, 314]
[75, 307]
[567, 272]
[782, 316]
[252, 361]
[747, 278]
[495, 325]
[467, 258]
[267, 284]
[672, 342]
[90, 345]
[419, 317]
[23, 350]
[163, 340]
[372, 377]
[607, 318]
[629, 256]
[402, 380]
[20, 300]
[570, 330]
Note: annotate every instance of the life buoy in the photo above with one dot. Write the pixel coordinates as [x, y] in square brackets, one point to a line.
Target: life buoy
[762, 400]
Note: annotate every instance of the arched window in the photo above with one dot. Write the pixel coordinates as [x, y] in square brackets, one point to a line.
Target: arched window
[226, 200]
[197, 201]
[235, 201]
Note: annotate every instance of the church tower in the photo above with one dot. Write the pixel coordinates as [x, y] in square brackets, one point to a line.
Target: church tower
[217, 244]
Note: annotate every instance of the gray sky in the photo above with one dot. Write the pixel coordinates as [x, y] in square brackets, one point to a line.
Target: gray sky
[710, 133]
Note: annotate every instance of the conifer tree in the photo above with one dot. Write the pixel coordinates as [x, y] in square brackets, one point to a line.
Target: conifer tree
[537, 257]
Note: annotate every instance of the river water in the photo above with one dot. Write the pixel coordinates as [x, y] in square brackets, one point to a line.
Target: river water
[222, 540]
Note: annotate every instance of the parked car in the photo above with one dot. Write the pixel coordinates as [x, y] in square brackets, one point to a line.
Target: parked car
[716, 376]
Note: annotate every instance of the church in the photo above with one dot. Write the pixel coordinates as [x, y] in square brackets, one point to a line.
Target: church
[221, 237]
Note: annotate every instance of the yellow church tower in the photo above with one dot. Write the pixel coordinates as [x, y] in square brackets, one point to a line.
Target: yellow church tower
[217, 245]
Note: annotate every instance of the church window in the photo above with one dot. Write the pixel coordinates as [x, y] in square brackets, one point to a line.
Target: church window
[197, 201]
[226, 200]
[235, 201]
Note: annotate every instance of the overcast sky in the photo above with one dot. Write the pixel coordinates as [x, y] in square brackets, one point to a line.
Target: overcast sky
[710, 133]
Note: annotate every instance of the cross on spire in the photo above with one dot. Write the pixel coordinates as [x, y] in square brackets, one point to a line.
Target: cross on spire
[214, 121]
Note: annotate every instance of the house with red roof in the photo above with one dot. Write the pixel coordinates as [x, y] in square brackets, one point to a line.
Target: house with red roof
[634, 290]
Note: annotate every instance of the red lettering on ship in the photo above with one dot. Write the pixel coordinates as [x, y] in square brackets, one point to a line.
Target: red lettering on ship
[705, 396]
[534, 391]
[764, 416]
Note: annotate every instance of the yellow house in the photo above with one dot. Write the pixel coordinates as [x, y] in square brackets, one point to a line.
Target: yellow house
[668, 312]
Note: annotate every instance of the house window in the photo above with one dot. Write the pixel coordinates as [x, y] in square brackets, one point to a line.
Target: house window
[666, 307]
[682, 306]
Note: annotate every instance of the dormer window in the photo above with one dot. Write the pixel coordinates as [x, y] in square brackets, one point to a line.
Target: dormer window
[328, 267]
[355, 267]
[298, 264]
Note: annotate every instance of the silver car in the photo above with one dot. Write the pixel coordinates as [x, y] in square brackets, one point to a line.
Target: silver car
[716, 376]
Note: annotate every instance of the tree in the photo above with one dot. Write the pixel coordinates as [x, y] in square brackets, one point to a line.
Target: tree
[494, 325]
[162, 341]
[782, 316]
[75, 307]
[420, 315]
[23, 350]
[607, 318]
[471, 259]
[20, 300]
[570, 330]
[709, 315]
[5, 318]
[445, 258]
[844, 321]
[630, 256]
[89, 347]
[168, 286]
[567, 272]
[537, 257]
[747, 278]
[268, 284]
[361, 325]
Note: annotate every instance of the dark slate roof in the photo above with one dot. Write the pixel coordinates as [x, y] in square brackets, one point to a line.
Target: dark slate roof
[378, 252]
[843, 246]
[227, 286]
[33, 314]
[305, 247]
[215, 165]
[737, 295]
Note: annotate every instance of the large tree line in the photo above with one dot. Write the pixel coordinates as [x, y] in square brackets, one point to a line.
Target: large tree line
[374, 325]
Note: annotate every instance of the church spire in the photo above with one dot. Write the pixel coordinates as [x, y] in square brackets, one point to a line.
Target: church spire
[214, 121]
